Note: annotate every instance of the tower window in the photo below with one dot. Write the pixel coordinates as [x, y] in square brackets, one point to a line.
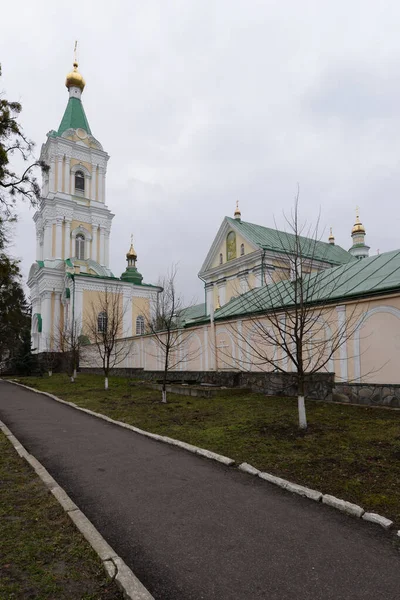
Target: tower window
[80, 246]
[79, 181]
[221, 259]
[102, 322]
[140, 325]
[241, 249]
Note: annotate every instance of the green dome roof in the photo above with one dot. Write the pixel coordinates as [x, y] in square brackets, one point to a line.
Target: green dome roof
[132, 275]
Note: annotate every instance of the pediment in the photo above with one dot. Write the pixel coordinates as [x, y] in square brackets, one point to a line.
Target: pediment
[219, 241]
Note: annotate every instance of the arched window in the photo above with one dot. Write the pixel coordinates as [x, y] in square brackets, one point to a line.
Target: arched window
[221, 259]
[231, 245]
[79, 182]
[102, 321]
[80, 246]
[140, 325]
[241, 249]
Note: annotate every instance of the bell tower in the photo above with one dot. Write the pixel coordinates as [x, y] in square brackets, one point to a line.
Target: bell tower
[72, 221]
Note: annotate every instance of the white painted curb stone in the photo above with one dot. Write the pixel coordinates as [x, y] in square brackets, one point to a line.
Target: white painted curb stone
[272, 479]
[347, 507]
[248, 469]
[115, 567]
[378, 519]
[304, 491]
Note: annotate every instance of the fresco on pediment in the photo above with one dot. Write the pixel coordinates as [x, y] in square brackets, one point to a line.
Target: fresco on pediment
[231, 245]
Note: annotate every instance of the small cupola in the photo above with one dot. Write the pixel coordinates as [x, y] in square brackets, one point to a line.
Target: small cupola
[331, 238]
[359, 248]
[131, 274]
[131, 255]
[237, 214]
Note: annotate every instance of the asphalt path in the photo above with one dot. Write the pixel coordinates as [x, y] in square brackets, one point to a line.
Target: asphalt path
[193, 529]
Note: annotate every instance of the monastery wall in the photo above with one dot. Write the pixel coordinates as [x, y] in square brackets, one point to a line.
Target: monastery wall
[370, 354]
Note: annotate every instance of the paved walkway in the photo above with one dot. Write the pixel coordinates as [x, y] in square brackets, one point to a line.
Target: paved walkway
[193, 529]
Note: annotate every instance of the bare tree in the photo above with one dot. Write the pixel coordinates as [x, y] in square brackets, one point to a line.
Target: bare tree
[166, 326]
[13, 142]
[104, 328]
[70, 343]
[291, 325]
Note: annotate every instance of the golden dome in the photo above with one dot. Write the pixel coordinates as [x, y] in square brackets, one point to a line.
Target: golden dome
[131, 252]
[331, 238]
[75, 79]
[237, 214]
[358, 226]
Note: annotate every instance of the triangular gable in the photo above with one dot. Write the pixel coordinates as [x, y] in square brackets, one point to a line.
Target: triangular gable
[227, 225]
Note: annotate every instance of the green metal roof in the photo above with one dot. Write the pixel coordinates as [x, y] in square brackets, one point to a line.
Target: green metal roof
[74, 117]
[359, 278]
[281, 241]
[191, 312]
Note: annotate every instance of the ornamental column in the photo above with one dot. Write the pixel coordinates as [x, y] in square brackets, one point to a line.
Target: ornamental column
[107, 249]
[56, 320]
[67, 174]
[94, 242]
[46, 321]
[60, 172]
[52, 174]
[67, 239]
[93, 183]
[47, 240]
[100, 185]
[38, 246]
[102, 245]
[58, 244]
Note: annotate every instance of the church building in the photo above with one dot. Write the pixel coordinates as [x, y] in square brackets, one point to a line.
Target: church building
[73, 225]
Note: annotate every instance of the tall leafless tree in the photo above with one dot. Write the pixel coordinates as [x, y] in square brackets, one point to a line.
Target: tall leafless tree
[104, 328]
[290, 326]
[166, 327]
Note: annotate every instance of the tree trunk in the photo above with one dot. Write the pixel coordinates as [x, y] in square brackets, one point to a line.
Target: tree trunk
[72, 379]
[302, 412]
[75, 373]
[106, 383]
[301, 403]
[50, 373]
[164, 384]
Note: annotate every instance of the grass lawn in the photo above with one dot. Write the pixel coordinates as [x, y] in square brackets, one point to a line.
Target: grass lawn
[42, 555]
[352, 452]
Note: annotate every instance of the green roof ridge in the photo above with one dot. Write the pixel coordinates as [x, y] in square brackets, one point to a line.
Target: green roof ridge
[74, 117]
[272, 239]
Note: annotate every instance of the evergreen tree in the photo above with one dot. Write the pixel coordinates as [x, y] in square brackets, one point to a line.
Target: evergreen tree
[25, 362]
[14, 317]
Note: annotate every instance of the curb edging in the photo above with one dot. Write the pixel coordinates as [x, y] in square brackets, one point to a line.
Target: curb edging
[114, 566]
[344, 506]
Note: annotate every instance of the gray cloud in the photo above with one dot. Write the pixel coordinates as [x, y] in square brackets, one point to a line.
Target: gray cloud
[203, 103]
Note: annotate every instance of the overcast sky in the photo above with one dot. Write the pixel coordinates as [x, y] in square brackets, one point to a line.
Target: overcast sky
[203, 102]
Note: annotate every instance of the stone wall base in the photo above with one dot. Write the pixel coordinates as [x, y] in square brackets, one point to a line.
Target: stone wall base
[319, 386]
[369, 394]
